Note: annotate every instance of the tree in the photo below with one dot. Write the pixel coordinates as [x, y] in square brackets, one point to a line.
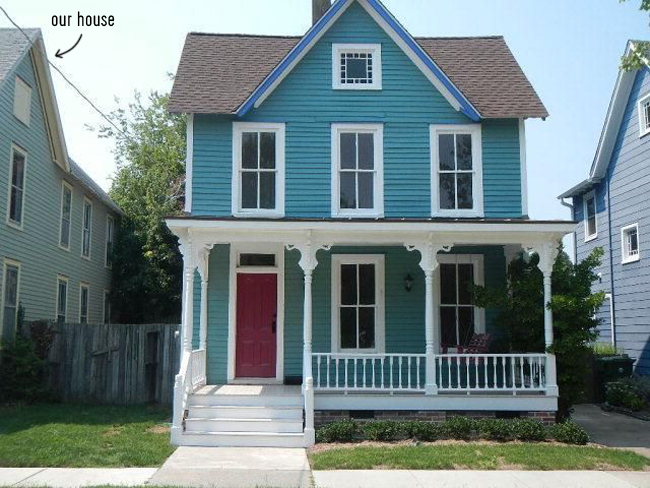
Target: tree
[149, 186]
[637, 57]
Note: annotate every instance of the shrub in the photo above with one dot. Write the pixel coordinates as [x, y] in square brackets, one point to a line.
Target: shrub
[460, 428]
[604, 349]
[624, 393]
[494, 429]
[342, 431]
[385, 430]
[527, 430]
[569, 433]
[422, 431]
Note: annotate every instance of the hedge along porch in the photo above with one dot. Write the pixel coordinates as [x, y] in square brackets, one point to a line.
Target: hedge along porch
[371, 346]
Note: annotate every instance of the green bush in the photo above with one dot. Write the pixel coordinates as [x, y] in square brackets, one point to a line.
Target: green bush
[385, 431]
[624, 393]
[527, 430]
[494, 429]
[569, 433]
[422, 431]
[459, 428]
[342, 431]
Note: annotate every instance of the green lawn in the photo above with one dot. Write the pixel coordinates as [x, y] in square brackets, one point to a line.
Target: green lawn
[65, 435]
[477, 456]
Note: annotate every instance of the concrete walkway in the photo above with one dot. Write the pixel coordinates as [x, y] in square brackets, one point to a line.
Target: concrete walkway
[75, 477]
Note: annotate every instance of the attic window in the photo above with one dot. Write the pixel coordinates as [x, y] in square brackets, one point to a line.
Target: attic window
[22, 101]
[644, 115]
[356, 66]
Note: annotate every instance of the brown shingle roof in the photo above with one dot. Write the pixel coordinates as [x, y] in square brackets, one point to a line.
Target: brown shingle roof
[218, 72]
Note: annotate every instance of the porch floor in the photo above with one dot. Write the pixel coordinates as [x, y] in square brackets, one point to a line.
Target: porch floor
[249, 390]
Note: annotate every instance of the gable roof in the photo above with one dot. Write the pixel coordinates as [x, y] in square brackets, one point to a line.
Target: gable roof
[13, 45]
[91, 186]
[219, 73]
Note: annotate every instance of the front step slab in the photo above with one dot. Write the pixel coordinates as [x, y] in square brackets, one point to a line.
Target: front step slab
[244, 412]
[243, 425]
[242, 439]
[247, 400]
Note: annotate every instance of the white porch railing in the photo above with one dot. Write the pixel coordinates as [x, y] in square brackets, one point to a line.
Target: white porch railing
[369, 372]
[198, 368]
[190, 378]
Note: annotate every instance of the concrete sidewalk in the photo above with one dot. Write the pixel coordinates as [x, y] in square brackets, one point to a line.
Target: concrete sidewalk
[75, 477]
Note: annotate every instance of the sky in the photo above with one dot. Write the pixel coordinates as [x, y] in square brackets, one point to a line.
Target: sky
[569, 49]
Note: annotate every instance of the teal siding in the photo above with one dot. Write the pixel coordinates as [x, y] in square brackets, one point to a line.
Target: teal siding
[407, 105]
[218, 290]
[36, 246]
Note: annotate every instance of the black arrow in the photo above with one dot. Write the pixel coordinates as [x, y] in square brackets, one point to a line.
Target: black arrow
[60, 54]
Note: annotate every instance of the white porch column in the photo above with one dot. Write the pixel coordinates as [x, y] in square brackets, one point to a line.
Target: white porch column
[203, 266]
[429, 251]
[188, 298]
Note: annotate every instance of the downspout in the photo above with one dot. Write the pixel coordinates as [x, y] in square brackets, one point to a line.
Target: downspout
[575, 237]
[612, 302]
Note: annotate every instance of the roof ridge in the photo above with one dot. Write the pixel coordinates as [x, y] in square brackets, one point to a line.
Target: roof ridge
[221, 34]
[459, 37]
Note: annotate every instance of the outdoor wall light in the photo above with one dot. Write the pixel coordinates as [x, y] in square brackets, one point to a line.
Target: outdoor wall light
[408, 282]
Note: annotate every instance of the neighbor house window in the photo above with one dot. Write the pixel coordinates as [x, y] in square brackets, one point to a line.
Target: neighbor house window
[61, 299]
[16, 187]
[107, 307]
[22, 101]
[457, 173]
[110, 235]
[630, 243]
[591, 223]
[358, 303]
[84, 294]
[356, 67]
[258, 175]
[86, 228]
[66, 215]
[459, 319]
[10, 300]
[644, 115]
[358, 170]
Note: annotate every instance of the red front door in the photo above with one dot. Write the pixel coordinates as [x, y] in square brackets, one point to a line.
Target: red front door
[257, 306]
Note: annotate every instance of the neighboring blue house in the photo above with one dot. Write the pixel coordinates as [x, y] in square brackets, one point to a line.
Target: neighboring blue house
[612, 207]
[57, 225]
[344, 190]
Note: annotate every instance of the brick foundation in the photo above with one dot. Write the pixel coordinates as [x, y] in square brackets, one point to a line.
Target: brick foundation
[327, 416]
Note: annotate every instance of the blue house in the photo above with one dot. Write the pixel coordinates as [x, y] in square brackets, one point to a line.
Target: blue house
[57, 226]
[613, 211]
[344, 190]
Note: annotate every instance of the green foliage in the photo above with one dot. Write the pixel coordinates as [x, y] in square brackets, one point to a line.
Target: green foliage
[460, 428]
[422, 431]
[637, 57]
[569, 433]
[385, 431]
[630, 393]
[148, 186]
[494, 429]
[342, 431]
[527, 430]
[604, 349]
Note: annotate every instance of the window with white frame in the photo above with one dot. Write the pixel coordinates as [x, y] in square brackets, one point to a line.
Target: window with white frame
[358, 303]
[107, 307]
[16, 187]
[61, 299]
[459, 319]
[644, 115]
[66, 215]
[630, 243]
[358, 170]
[84, 296]
[110, 235]
[86, 228]
[590, 219]
[22, 101]
[457, 170]
[356, 67]
[258, 173]
[10, 300]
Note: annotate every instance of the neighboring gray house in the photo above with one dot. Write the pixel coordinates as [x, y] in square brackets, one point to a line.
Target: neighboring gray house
[612, 207]
[57, 226]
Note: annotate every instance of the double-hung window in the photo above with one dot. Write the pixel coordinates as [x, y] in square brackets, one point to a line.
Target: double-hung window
[86, 228]
[591, 221]
[10, 300]
[66, 215]
[84, 295]
[110, 235]
[61, 299]
[644, 115]
[107, 307]
[258, 170]
[630, 243]
[356, 67]
[16, 187]
[358, 303]
[357, 170]
[457, 170]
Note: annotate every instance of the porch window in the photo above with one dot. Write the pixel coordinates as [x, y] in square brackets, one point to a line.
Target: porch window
[258, 176]
[16, 187]
[10, 307]
[591, 223]
[630, 243]
[358, 299]
[457, 184]
[61, 299]
[357, 157]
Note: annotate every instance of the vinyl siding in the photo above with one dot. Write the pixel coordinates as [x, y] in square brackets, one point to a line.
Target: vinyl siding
[407, 105]
[36, 247]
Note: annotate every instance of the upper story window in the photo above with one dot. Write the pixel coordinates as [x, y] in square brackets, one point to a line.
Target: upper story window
[110, 236]
[357, 170]
[258, 170]
[356, 66]
[630, 243]
[644, 115]
[10, 300]
[86, 228]
[16, 187]
[591, 221]
[66, 216]
[457, 170]
[22, 101]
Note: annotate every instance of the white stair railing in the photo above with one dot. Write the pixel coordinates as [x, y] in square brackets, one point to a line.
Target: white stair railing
[191, 376]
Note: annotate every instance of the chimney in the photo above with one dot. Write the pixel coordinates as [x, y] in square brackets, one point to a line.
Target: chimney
[319, 7]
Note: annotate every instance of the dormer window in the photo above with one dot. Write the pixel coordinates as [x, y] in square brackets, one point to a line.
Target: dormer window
[356, 66]
[644, 115]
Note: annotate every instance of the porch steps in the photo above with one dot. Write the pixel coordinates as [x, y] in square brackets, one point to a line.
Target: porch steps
[245, 416]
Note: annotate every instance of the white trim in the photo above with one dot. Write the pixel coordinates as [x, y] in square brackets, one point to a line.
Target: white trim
[380, 297]
[589, 196]
[189, 163]
[85, 286]
[234, 270]
[106, 294]
[644, 128]
[475, 131]
[56, 294]
[279, 129]
[17, 264]
[625, 259]
[88, 201]
[22, 101]
[65, 185]
[110, 223]
[377, 130]
[524, 166]
[373, 49]
[12, 223]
